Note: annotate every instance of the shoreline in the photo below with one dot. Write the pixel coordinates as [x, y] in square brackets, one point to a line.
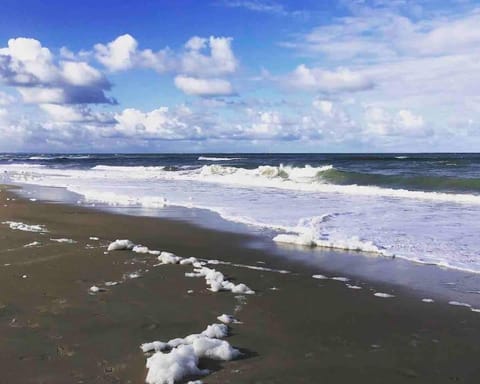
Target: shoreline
[417, 278]
[337, 334]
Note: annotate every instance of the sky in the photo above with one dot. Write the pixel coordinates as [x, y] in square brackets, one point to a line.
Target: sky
[240, 76]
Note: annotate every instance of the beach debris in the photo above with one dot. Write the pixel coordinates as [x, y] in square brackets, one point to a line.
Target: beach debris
[120, 245]
[179, 358]
[94, 238]
[24, 276]
[15, 225]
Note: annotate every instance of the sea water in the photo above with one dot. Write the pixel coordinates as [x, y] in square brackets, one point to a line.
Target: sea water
[420, 207]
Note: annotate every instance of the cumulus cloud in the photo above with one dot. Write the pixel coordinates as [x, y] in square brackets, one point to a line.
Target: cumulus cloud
[32, 68]
[76, 114]
[199, 65]
[123, 53]
[403, 123]
[164, 123]
[203, 87]
[208, 57]
[201, 56]
[328, 81]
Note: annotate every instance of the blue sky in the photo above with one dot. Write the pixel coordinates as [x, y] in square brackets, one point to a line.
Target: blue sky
[240, 75]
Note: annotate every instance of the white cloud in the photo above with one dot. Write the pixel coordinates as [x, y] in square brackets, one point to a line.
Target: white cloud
[271, 7]
[6, 99]
[198, 66]
[42, 95]
[208, 57]
[82, 75]
[76, 114]
[328, 81]
[122, 54]
[403, 123]
[211, 56]
[163, 123]
[119, 54]
[32, 68]
[267, 125]
[203, 87]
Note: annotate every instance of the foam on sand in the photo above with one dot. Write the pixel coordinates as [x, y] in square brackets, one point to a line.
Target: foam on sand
[32, 244]
[340, 278]
[95, 289]
[214, 279]
[190, 260]
[217, 282]
[426, 300]
[64, 240]
[349, 286]
[383, 295]
[320, 277]
[18, 226]
[169, 258]
[120, 245]
[179, 358]
[227, 319]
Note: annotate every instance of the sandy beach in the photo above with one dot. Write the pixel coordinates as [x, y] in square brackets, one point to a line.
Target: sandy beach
[294, 329]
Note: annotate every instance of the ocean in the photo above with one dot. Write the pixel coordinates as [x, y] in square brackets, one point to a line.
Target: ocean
[420, 207]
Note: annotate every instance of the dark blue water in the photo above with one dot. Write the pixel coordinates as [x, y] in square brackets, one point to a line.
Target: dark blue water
[450, 172]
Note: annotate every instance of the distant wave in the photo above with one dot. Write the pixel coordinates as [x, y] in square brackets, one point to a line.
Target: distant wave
[321, 179]
[62, 157]
[208, 158]
[329, 179]
[325, 179]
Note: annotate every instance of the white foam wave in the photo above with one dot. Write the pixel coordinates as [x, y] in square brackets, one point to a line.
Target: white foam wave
[309, 179]
[430, 229]
[347, 244]
[210, 158]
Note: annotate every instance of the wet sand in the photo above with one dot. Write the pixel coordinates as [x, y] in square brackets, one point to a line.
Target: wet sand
[52, 330]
